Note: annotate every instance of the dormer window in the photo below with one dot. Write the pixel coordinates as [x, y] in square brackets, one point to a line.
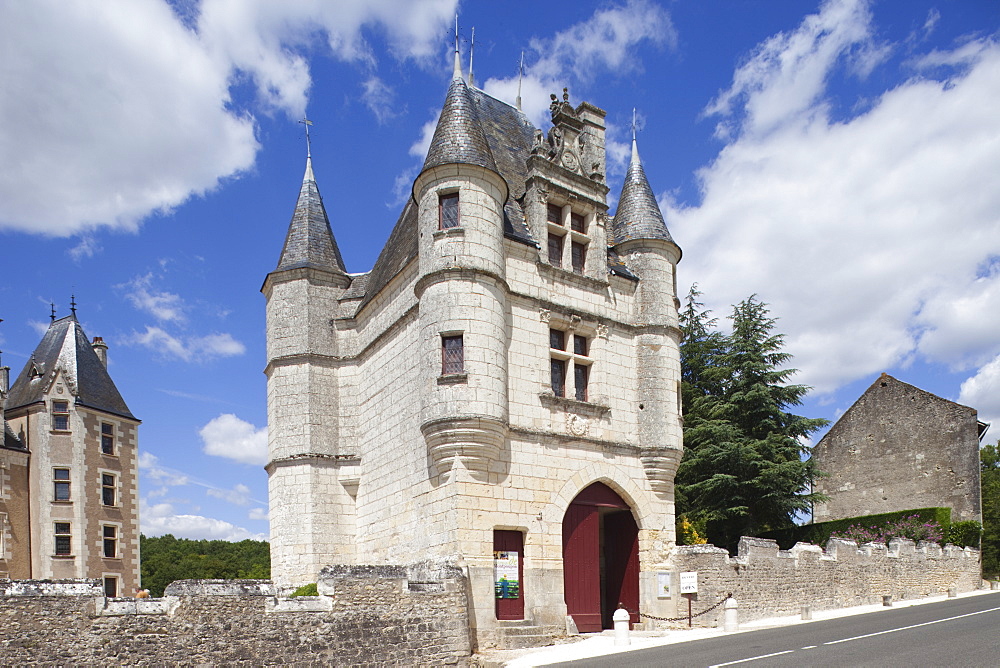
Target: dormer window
[568, 237]
[448, 211]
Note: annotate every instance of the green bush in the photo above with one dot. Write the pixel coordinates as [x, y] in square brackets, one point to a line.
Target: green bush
[819, 533]
[306, 590]
[964, 534]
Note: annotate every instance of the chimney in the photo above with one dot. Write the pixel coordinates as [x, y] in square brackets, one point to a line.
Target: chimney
[101, 348]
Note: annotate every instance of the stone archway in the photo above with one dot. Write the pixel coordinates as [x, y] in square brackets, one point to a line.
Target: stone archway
[600, 558]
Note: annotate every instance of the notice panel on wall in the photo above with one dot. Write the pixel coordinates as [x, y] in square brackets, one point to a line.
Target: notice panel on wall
[663, 584]
[505, 569]
[689, 582]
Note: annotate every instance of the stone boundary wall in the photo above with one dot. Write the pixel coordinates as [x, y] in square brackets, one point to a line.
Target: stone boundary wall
[768, 582]
[365, 616]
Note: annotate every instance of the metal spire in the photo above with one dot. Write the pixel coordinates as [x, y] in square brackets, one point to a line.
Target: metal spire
[457, 74]
[306, 122]
[520, 74]
[472, 48]
[52, 312]
[72, 305]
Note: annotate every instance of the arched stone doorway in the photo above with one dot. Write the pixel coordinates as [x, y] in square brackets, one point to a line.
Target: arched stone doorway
[600, 558]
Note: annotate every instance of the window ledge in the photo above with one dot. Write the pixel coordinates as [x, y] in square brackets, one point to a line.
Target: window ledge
[110, 454]
[449, 232]
[61, 502]
[453, 379]
[550, 400]
[111, 558]
[64, 556]
[60, 431]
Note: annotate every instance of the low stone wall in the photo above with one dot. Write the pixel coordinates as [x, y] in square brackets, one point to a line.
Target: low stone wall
[365, 616]
[768, 582]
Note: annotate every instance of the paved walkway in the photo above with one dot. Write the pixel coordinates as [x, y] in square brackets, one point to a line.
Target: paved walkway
[603, 644]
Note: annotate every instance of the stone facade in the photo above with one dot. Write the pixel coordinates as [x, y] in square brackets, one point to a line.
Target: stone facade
[899, 447]
[70, 481]
[768, 582]
[383, 449]
[393, 616]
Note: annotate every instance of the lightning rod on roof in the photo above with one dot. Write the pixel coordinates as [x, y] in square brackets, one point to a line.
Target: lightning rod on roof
[472, 48]
[52, 312]
[306, 122]
[520, 74]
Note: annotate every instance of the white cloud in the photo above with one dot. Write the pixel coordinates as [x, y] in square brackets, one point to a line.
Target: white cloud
[164, 306]
[114, 111]
[866, 236]
[258, 514]
[188, 349]
[230, 437]
[379, 98]
[238, 495]
[110, 111]
[161, 518]
[605, 42]
[982, 392]
[150, 467]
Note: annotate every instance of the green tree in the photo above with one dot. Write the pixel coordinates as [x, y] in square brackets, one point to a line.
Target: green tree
[166, 559]
[743, 470]
[989, 457]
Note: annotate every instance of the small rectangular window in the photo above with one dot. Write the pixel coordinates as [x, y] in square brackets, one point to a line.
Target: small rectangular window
[107, 489]
[555, 250]
[452, 354]
[110, 541]
[64, 539]
[107, 438]
[60, 483]
[580, 374]
[60, 415]
[554, 214]
[579, 345]
[448, 211]
[576, 223]
[111, 587]
[558, 377]
[557, 339]
[579, 256]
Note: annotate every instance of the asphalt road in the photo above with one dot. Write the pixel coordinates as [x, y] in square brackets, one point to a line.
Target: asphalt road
[959, 632]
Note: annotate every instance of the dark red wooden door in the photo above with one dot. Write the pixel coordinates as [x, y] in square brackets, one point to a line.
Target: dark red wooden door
[582, 566]
[621, 558]
[511, 541]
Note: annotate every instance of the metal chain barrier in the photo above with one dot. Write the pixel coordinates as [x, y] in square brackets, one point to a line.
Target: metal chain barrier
[685, 617]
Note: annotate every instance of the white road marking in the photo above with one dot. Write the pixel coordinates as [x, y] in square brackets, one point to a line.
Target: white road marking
[913, 626]
[753, 658]
[809, 647]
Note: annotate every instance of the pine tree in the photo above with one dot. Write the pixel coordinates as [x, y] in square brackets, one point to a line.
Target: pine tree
[743, 470]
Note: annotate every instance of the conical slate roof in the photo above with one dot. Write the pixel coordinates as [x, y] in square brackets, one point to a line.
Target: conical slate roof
[459, 137]
[310, 241]
[65, 348]
[638, 215]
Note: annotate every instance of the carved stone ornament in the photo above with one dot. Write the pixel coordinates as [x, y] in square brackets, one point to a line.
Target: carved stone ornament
[570, 161]
[602, 331]
[543, 314]
[577, 425]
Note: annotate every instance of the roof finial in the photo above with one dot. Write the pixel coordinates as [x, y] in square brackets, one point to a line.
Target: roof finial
[520, 73]
[472, 48]
[633, 123]
[72, 305]
[52, 312]
[306, 122]
[635, 127]
[457, 74]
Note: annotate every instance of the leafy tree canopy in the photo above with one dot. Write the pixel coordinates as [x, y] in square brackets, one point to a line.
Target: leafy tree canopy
[989, 457]
[743, 470]
[166, 559]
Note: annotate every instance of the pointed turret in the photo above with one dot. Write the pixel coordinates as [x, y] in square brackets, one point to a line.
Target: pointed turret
[638, 215]
[458, 137]
[310, 241]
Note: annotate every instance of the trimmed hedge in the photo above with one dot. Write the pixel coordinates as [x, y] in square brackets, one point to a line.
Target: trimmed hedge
[819, 533]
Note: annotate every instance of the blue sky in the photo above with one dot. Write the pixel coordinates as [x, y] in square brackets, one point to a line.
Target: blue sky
[839, 159]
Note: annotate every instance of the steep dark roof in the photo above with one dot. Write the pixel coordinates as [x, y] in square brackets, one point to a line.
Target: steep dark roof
[638, 215]
[459, 137]
[310, 241]
[65, 347]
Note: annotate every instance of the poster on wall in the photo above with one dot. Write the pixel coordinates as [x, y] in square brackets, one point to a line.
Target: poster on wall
[505, 568]
[663, 584]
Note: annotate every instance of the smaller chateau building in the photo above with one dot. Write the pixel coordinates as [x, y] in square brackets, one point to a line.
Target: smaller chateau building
[899, 447]
[68, 466]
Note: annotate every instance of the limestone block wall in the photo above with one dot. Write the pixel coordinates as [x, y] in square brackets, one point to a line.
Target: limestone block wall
[768, 582]
[369, 616]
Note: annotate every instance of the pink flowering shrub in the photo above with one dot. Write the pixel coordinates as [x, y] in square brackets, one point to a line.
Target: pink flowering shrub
[909, 527]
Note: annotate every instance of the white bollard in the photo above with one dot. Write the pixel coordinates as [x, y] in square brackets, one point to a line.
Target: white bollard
[621, 618]
[731, 622]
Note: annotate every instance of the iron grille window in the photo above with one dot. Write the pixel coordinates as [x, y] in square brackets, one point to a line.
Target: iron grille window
[107, 489]
[557, 339]
[107, 438]
[555, 250]
[576, 223]
[60, 415]
[579, 345]
[64, 539]
[580, 377]
[60, 484]
[578, 252]
[452, 354]
[554, 214]
[110, 541]
[448, 210]
[558, 377]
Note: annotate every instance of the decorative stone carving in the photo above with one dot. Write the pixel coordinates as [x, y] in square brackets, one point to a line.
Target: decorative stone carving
[475, 442]
[602, 331]
[543, 314]
[577, 425]
[661, 466]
